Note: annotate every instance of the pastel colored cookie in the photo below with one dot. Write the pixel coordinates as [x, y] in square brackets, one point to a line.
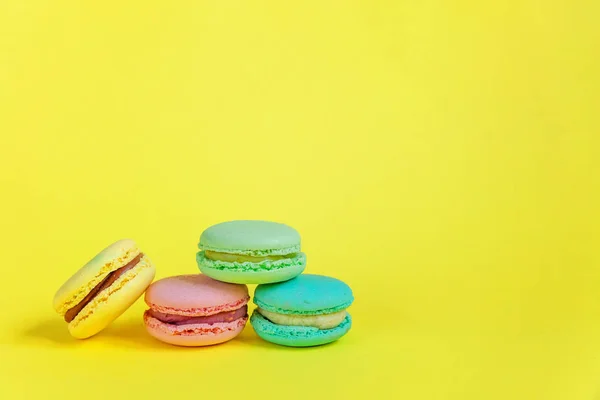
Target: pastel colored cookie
[195, 310]
[308, 310]
[104, 288]
[250, 252]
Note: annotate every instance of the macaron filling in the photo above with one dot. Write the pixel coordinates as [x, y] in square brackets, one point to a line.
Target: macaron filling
[241, 258]
[319, 321]
[293, 260]
[72, 313]
[174, 319]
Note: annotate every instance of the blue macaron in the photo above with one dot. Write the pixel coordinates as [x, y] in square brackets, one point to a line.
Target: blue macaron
[308, 310]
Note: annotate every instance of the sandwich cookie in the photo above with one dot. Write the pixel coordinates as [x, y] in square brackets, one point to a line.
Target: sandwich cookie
[308, 310]
[195, 310]
[101, 290]
[250, 252]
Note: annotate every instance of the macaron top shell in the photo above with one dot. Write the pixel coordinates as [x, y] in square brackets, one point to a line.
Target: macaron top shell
[304, 294]
[195, 294]
[251, 237]
[93, 272]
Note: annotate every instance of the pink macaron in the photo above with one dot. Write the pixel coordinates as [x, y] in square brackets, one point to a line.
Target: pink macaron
[195, 310]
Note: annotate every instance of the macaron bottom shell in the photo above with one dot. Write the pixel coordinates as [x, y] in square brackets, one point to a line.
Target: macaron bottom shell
[251, 275]
[297, 336]
[194, 335]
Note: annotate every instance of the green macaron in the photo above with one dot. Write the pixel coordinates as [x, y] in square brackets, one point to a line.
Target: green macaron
[250, 251]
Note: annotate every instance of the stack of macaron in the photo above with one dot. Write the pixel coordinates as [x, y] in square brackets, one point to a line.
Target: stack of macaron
[292, 309]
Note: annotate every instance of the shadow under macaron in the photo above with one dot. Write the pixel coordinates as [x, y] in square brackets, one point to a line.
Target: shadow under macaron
[250, 338]
[131, 334]
[51, 331]
[127, 334]
[54, 332]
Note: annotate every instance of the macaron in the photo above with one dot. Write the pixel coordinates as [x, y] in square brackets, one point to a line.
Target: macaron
[195, 310]
[250, 252]
[101, 290]
[308, 310]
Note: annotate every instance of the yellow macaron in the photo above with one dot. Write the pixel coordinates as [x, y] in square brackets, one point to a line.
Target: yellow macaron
[104, 288]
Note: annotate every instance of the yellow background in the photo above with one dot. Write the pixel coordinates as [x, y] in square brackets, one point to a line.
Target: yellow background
[440, 157]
